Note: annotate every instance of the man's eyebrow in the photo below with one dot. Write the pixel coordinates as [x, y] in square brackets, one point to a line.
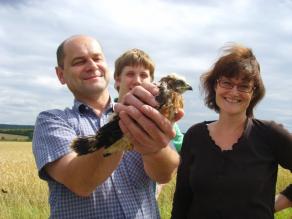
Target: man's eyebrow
[97, 54]
[78, 58]
[84, 56]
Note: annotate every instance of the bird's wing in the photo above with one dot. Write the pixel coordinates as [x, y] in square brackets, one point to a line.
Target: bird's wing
[106, 136]
[122, 144]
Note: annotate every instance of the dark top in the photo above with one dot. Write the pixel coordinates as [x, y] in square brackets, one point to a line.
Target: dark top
[237, 183]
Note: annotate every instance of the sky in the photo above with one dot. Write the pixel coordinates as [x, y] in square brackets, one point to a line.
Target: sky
[185, 37]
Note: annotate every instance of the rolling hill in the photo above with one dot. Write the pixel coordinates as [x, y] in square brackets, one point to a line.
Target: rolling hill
[13, 132]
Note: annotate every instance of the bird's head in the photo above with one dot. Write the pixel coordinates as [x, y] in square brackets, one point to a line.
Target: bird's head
[176, 83]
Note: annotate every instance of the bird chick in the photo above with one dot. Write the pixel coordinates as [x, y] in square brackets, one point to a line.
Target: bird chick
[110, 136]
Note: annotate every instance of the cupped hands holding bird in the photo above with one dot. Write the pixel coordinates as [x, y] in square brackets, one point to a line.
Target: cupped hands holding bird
[145, 126]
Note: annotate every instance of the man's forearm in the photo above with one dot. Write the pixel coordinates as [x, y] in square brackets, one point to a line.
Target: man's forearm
[160, 166]
[82, 174]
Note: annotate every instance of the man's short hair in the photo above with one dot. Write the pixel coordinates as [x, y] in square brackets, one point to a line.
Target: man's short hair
[61, 54]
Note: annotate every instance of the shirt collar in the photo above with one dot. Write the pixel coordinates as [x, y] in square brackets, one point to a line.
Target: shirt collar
[83, 108]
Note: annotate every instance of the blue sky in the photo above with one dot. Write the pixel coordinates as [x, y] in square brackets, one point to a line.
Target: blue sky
[181, 36]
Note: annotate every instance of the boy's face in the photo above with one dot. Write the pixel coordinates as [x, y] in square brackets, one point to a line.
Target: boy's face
[130, 77]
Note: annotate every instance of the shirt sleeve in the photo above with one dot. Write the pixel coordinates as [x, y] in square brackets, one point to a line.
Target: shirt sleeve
[282, 142]
[51, 139]
[183, 192]
[288, 192]
[178, 139]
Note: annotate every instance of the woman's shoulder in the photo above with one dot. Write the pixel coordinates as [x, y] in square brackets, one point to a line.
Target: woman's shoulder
[198, 127]
[269, 127]
[270, 124]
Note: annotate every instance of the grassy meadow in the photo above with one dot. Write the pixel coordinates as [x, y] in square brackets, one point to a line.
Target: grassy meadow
[24, 195]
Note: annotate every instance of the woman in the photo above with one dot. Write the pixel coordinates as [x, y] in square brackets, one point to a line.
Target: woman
[229, 166]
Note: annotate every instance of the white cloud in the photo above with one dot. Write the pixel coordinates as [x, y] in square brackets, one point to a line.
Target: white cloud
[181, 36]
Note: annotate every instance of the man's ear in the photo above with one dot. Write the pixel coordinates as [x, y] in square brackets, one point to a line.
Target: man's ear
[60, 74]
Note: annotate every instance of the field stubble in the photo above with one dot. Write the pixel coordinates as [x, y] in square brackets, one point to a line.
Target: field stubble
[23, 195]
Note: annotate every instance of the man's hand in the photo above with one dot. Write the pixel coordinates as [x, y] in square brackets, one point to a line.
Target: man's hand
[146, 127]
[282, 202]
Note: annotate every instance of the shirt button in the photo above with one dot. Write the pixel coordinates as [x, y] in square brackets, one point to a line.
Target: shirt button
[119, 191]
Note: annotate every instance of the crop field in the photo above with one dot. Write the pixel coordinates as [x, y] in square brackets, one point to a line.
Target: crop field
[11, 137]
[24, 196]
[22, 193]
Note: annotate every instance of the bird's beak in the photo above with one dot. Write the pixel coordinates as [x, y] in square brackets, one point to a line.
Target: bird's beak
[189, 87]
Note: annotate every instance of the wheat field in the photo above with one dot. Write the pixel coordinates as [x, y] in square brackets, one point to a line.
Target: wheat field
[24, 196]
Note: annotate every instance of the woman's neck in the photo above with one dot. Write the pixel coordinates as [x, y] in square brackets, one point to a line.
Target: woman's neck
[231, 123]
[227, 130]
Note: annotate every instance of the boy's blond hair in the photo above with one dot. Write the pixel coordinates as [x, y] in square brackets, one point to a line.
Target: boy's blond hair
[134, 57]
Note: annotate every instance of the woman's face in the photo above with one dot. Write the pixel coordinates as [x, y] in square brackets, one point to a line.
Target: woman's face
[233, 95]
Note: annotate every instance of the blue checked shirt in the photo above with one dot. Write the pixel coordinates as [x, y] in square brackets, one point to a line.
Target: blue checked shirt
[127, 193]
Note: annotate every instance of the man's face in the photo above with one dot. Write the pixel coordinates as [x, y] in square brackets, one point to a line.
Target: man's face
[85, 70]
[130, 77]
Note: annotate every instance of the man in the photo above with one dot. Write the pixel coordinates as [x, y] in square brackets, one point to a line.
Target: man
[94, 186]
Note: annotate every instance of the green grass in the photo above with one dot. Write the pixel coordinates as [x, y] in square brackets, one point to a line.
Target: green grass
[24, 196]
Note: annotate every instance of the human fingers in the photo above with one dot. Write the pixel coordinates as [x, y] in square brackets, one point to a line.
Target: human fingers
[139, 96]
[179, 114]
[122, 125]
[134, 123]
[159, 120]
[151, 87]
[158, 131]
[133, 130]
[118, 107]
